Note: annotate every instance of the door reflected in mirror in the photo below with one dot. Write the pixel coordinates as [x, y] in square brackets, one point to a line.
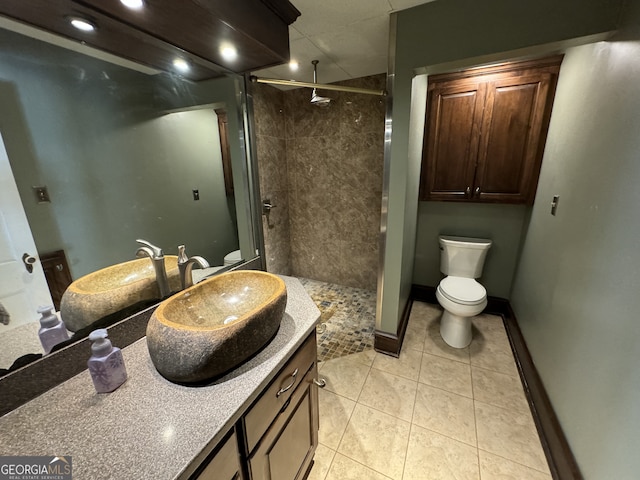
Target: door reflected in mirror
[116, 155]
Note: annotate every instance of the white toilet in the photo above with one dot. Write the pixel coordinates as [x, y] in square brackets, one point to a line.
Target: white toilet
[232, 258]
[461, 259]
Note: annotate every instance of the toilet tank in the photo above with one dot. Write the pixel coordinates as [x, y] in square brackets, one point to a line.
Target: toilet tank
[463, 256]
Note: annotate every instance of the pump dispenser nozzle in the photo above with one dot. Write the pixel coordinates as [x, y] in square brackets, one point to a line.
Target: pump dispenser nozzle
[101, 344]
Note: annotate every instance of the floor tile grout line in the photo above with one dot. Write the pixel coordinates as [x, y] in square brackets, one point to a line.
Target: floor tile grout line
[449, 437]
[548, 472]
[349, 421]
[351, 414]
[444, 390]
[517, 412]
[369, 467]
[330, 462]
[446, 358]
[475, 421]
[399, 376]
[413, 412]
[382, 411]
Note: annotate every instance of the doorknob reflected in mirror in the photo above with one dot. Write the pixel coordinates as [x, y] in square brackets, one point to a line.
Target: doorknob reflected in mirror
[29, 261]
[267, 206]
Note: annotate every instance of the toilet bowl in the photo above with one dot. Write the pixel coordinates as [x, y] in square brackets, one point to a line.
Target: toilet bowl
[459, 294]
[232, 258]
[460, 300]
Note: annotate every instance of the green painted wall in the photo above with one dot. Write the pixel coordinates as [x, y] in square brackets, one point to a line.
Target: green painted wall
[436, 36]
[503, 224]
[116, 165]
[576, 274]
[576, 290]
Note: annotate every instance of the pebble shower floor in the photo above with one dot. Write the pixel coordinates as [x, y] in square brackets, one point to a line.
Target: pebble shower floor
[347, 318]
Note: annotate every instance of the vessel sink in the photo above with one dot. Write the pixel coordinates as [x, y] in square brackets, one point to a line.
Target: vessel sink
[114, 289]
[214, 326]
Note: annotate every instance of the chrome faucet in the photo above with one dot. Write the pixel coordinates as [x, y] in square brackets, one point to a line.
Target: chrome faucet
[157, 259]
[186, 264]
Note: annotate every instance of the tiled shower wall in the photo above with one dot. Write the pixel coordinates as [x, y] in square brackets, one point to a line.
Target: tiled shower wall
[269, 117]
[328, 179]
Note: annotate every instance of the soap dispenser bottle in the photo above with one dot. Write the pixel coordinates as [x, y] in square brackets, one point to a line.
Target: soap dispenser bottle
[52, 330]
[106, 364]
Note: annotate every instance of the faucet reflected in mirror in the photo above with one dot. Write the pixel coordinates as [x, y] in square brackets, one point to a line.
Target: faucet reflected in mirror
[186, 264]
[157, 259]
[120, 153]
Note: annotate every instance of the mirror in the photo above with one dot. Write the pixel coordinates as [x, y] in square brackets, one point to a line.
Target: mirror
[103, 154]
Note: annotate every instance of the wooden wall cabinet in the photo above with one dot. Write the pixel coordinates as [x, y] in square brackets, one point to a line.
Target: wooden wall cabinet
[485, 132]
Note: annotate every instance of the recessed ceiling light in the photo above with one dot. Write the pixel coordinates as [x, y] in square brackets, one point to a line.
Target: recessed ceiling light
[293, 65]
[133, 4]
[181, 65]
[82, 24]
[228, 52]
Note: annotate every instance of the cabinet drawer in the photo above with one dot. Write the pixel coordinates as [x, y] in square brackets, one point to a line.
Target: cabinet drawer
[276, 395]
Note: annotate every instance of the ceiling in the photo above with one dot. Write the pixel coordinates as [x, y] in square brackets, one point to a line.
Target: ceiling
[349, 37]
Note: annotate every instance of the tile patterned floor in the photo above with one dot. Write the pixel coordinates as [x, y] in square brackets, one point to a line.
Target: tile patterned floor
[347, 320]
[434, 413]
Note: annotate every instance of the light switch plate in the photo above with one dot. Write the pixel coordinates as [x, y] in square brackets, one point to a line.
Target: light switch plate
[554, 204]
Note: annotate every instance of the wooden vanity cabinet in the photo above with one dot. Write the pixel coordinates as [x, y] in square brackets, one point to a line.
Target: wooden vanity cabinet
[485, 132]
[224, 463]
[286, 450]
[281, 428]
[276, 438]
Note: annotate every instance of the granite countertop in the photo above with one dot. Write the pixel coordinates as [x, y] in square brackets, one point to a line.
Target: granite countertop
[150, 427]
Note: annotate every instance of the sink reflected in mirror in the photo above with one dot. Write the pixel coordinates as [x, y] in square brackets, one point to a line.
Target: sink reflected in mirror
[117, 288]
[216, 325]
[122, 155]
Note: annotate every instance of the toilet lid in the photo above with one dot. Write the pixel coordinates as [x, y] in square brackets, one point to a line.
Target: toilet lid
[462, 290]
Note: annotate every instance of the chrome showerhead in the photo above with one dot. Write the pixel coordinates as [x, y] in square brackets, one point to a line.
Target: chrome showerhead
[318, 100]
[315, 98]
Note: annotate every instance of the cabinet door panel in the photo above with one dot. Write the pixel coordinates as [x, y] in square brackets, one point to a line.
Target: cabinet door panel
[451, 148]
[287, 449]
[265, 410]
[511, 131]
[225, 464]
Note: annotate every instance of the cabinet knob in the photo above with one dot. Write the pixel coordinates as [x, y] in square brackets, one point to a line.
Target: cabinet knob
[477, 191]
[467, 191]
